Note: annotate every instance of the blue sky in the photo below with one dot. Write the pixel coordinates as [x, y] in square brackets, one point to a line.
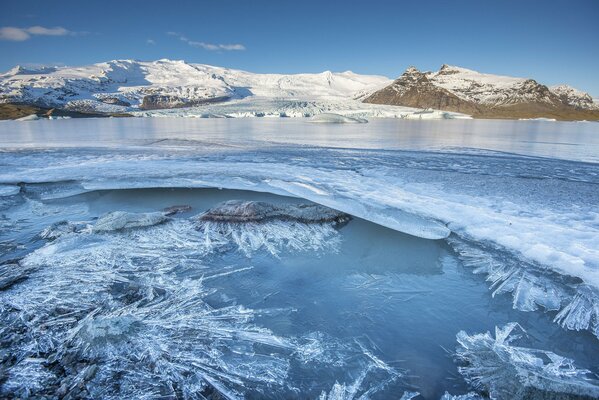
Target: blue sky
[550, 41]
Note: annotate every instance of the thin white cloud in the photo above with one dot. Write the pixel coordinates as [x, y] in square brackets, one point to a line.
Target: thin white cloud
[232, 46]
[14, 34]
[207, 46]
[150, 41]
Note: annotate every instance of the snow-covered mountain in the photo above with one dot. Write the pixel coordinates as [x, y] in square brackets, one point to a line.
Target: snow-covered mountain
[153, 88]
[485, 95]
[125, 85]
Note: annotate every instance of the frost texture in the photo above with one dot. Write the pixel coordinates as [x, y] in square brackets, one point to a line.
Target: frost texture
[112, 314]
[356, 389]
[505, 371]
[467, 396]
[533, 287]
[273, 237]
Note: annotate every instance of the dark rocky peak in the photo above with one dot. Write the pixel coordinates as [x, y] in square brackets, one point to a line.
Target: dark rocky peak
[412, 76]
[448, 70]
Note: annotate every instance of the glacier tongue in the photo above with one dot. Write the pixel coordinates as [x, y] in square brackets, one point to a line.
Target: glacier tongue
[506, 371]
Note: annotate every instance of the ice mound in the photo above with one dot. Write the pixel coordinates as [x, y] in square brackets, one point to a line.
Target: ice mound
[118, 220]
[503, 370]
[251, 226]
[60, 228]
[533, 287]
[330, 118]
[433, 114]
[31, 117]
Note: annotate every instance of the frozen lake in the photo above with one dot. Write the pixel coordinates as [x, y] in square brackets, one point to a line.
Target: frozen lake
[458, 227]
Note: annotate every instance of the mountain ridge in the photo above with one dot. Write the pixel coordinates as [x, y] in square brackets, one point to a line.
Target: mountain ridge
[485, 95]
[119, 87]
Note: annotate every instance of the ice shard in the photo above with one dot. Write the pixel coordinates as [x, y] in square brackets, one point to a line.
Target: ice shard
[502, 369]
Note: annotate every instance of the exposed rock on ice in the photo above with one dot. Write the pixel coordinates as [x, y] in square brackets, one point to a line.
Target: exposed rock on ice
[505, 371]
[118, 220]
[329, 118]
[251, 226]
[257, 211]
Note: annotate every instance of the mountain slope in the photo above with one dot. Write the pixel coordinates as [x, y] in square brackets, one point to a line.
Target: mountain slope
[126, 85]
[485, 95]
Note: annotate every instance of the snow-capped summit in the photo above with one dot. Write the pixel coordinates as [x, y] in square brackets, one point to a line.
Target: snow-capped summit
[573, 96]
[485, 95]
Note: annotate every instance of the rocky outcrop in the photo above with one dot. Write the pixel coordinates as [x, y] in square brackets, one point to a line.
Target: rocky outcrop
[161, 101]
[16, 111]
[238, 211]
[414, 89]
[115, 101]
[485, 96]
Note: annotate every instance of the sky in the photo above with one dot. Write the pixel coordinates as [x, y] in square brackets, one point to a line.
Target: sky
[551, 41]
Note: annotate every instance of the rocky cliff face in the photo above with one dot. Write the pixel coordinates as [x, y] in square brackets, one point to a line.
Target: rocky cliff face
[485, 95]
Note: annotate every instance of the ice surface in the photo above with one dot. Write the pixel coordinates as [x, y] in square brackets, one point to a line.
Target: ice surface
[506, 371]
[329, 118]
[9, 190]
[421, 193]
[537, 245]
[32, 117]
